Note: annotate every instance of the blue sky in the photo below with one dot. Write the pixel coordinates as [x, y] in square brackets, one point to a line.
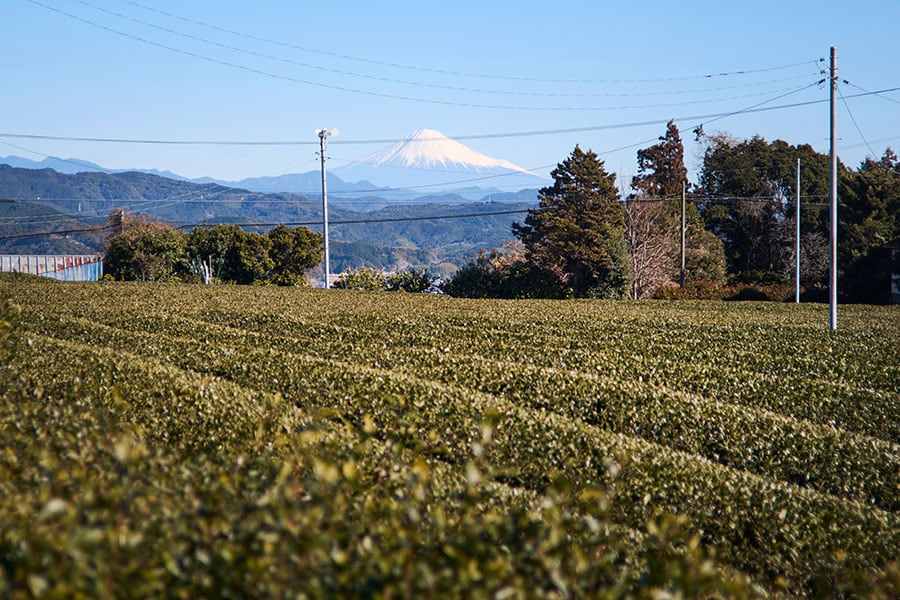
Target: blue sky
[274, 71]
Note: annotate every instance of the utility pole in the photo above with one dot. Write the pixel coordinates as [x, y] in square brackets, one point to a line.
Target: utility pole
[833, 194]
[797, 240]
[683, 227]
[323, 135]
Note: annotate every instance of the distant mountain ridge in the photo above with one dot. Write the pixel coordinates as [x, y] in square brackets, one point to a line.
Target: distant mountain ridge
[70, 166]
[309, 183]
[425, 162]
[375, 232]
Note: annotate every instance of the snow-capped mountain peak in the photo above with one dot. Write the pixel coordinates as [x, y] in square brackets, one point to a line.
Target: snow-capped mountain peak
[427, 158]
[429, 149]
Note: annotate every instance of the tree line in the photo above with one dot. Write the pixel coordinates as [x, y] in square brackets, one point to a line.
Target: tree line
[588, 238]
[145, 250]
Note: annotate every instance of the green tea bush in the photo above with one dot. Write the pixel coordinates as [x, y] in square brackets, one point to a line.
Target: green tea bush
[187, 441]
[692, 290]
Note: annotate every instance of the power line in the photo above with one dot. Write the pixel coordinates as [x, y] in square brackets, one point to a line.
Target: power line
[697, 199]
[290, 223]
[855, 124]
[463, 73]
[532, 133]
[331, 86]
[757, 106]
[753, 108]
[878, 141]
[22, 236]
[877, 93]
[422, 83]
[370, 221]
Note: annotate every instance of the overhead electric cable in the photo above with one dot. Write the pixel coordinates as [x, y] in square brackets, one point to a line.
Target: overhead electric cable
[878, 141]
[422, 83]
[531, 133]
[22, 236]
[853, 119]
[877, 93]
[325, 85]
[464, 73]
[756, 107]
[369, 221]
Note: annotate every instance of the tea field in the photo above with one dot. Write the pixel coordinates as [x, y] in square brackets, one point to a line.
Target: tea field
[229, 441]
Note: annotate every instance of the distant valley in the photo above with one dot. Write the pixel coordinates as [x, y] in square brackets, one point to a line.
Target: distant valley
[368, 231]
[426, 201]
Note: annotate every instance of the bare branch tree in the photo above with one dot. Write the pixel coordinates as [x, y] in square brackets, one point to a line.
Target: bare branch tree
[650, 235]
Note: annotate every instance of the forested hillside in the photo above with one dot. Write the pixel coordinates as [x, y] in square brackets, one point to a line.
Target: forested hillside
[389, 236]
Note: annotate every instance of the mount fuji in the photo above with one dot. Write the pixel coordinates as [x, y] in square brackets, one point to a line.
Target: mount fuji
[424, 163]
[427, 161]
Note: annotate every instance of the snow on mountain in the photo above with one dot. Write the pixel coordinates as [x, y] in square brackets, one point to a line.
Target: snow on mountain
[430, 149]
[428, 160]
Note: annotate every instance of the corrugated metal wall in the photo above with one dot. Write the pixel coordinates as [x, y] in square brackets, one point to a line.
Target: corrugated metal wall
[69, 267]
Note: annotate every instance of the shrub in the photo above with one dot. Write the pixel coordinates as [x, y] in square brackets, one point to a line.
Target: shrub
[778, 292]
[372, 280]
[692, 290]
[365, 279]
[486, 277]
[414, 281]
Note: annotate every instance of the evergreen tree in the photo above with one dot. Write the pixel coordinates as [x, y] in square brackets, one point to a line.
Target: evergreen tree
[661, 170]
[653, 221]
[577, 233]
[868, 219]
[749, 188]
[236, 255]
[293, 251]
[145, 250]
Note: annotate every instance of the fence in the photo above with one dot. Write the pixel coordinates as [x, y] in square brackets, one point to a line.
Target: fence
[63, 267]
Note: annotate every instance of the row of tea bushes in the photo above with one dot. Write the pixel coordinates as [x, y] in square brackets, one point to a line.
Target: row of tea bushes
[582, 400]
[538, 442]
[825, 459]
[121, 476]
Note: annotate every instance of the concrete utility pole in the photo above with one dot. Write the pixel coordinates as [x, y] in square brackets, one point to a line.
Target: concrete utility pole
[323, 135]
[683, 227]
[832, 74]
[797, 240]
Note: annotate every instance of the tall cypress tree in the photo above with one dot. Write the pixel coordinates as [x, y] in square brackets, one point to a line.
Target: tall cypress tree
[577, 233]
[655, 223]
[661, 169]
